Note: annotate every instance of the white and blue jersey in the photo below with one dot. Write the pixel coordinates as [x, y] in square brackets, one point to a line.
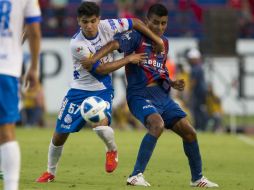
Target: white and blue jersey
[82, 47]
[88, 83]
[143, 100]
[13, 15]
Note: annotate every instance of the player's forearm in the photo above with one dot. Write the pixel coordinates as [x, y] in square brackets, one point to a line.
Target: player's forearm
[141, 27]
[105, 50]
[34, 37]
[106, 68]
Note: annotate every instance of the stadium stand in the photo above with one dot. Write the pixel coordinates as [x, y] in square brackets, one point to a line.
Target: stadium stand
[185, 17]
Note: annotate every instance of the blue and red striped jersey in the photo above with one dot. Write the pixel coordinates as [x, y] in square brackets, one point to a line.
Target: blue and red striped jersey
[151, 70]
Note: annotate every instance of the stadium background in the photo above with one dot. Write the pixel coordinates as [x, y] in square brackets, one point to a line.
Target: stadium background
[221, 29]
[228, 159]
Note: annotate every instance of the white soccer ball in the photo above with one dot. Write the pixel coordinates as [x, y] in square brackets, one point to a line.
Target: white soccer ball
[93, 109]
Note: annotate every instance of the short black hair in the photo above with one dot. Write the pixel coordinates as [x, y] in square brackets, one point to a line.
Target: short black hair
[88, 9]
[157, 9]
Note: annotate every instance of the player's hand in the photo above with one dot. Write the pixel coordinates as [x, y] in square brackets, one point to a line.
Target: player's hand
[159, 47]
[137, 58]
[31, 80]
[87, 63]
[178, 84]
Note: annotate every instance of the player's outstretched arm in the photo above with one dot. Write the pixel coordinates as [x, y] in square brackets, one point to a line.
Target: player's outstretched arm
[33, 34]
[141, 27]
[105, 68]
[105, 50]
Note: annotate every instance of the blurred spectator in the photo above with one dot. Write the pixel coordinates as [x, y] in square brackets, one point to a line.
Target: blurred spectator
[59, 15]
[245, 10]
[197, 90]
[33, 107]
[184, 95]
[142, 6]
[214, 110]
[125, 8]
[171, 68]
[95, 1]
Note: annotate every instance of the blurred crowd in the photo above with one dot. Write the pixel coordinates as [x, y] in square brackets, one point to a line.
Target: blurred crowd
[185, 16]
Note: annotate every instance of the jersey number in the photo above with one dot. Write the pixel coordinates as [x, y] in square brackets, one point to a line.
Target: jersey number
[5, 10]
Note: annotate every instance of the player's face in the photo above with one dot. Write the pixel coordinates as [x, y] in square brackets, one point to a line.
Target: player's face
[157, 24]
[89, 25]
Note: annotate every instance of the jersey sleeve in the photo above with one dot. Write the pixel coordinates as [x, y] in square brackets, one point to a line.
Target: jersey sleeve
[128, 41]
[32, 12]
[117, 25]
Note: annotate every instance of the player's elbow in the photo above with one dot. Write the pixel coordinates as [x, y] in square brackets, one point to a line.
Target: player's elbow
[114, 45]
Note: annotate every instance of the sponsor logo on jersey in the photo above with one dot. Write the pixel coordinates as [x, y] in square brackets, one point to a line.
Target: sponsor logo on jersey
[65, 126]
[153, 63]
[68, 119]
[148, 106]
[112, 24]
[120, 22]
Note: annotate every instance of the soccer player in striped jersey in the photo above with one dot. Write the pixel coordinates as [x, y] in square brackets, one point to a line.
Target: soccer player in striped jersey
[13, 15]
[94, 33]
[148, 100]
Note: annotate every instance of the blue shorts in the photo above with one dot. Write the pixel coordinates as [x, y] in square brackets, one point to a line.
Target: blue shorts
[69, 118]
[9, 99]
[154, 100]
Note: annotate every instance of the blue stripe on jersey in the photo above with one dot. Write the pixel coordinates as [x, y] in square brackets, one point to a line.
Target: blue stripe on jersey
[30, 20]
[95, 66]
[130, 23]
[105, 79]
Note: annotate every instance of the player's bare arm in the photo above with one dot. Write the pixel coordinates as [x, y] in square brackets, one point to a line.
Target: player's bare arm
[34, 35]
[105, 68]
[105, 50]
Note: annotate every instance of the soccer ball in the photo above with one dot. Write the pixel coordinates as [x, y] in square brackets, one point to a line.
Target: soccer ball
[93, 109]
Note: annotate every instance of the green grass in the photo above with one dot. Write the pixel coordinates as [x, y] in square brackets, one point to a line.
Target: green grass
[226, 160]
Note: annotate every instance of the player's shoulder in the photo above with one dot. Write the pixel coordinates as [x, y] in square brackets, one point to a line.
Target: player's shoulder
[77, 41]
[76, 38]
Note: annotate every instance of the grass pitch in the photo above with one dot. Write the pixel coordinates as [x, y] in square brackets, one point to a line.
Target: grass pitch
[227, 160]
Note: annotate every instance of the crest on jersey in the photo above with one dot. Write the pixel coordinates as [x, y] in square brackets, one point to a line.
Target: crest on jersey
[126, 35]
[79, 49]
[68, 119]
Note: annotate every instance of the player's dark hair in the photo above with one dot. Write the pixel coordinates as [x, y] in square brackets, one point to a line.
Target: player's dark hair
[88, 9]
[157, 9]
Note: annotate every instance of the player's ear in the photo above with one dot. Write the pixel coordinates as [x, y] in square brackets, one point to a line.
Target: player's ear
[146, 20]
[78, 19]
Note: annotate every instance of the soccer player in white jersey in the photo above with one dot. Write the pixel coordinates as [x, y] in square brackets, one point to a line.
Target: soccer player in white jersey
[13, 15]
[93, 35]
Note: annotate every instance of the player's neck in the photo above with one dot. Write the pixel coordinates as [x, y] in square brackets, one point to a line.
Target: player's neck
[90, 37]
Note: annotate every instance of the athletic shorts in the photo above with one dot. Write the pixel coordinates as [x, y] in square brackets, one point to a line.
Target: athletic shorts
[69, 118]
[154, 100]
[9, 99]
